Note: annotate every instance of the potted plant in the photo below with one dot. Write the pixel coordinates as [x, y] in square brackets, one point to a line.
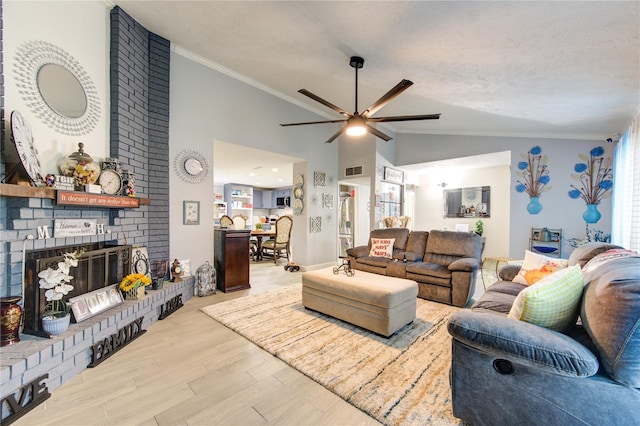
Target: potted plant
[55, 280]
[479, 227]
[133, 285]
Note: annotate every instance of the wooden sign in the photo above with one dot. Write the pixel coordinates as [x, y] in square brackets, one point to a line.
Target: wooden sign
[170, 307]
[112, 344]
[74, 227]
[28, 397]
[86, 199]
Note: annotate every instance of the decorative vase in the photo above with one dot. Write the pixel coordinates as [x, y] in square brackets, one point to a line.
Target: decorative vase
[136, 293]
[591, 215]
[10, 319]
[55, 326]
[534, 206]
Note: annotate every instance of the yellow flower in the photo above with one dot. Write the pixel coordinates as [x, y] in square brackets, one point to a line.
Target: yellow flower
[134, 281]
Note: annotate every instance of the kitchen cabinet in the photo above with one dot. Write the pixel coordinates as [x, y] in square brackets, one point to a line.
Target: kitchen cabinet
[219, 209]
[281, 193]
[262, 199]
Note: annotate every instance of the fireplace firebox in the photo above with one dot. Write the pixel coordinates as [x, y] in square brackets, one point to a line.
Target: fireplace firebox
[101, 265]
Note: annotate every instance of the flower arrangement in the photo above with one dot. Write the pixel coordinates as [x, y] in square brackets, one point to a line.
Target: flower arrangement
[132, 281]
[55, 279]
[534, 172]
[595, 177]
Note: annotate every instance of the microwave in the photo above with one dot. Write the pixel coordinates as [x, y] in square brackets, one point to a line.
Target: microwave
[283, 201]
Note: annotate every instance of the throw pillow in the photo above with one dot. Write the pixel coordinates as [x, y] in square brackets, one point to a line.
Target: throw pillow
[382, 247]
[537, 266]
[553, 302]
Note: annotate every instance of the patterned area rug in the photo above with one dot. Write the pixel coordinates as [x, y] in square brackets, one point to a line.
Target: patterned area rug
[401, 380]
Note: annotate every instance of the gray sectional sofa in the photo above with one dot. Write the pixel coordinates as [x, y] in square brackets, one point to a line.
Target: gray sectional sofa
[507, 372]
[443, 263]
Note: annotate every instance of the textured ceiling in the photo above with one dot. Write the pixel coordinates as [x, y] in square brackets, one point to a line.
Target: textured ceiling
[546, 69]
[540, 69]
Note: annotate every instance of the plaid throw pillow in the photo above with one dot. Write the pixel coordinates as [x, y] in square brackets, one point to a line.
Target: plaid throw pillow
[553, 302]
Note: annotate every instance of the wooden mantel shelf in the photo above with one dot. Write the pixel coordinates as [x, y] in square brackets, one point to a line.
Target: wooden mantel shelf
[21, 191]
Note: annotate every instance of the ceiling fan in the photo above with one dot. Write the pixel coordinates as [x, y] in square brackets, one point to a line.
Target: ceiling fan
[356, 124]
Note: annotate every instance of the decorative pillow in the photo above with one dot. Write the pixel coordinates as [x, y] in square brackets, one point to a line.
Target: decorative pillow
[553, 302]
[537, 266]
[382, 247]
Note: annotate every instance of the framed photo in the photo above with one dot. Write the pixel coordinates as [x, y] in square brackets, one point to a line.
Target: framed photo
[185, 266]
[89, 304]
[536, 235]
[191, 212]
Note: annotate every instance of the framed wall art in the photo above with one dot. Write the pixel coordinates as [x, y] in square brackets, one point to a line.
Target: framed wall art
[191, 212]
[393, 175]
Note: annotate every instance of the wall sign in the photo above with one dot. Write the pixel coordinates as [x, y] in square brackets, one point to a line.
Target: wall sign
[393, 175]
[74, 227]
[86, 199]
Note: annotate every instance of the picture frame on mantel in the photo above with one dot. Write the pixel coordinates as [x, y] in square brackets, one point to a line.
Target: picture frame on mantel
[191, 212]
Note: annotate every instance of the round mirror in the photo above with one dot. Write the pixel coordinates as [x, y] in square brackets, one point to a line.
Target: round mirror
[62, 91]
[57, 88]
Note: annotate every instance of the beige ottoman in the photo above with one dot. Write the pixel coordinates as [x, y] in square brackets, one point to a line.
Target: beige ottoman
[375, 302]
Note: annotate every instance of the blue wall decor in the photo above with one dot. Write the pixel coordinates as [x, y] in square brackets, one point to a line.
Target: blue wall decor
[595, 179]
[535, 177]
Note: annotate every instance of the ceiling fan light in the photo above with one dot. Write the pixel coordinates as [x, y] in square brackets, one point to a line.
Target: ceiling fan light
[356, 130]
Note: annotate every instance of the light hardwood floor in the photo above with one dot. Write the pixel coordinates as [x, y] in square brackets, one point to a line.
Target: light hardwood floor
[190, 370]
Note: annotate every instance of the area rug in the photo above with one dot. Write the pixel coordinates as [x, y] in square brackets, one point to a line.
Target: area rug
[401, 380]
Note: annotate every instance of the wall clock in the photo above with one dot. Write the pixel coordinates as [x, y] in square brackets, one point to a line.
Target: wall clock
[191, 166]
[110, 181]
[23, 140]
[140, 262]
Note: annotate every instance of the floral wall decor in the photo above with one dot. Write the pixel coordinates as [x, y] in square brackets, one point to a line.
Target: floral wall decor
[595, 180]
[535, 177]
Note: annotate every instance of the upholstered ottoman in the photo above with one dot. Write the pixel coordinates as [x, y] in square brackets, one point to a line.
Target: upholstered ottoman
[375, 302]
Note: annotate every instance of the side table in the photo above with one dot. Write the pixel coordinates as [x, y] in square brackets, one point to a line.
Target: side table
[497, 261]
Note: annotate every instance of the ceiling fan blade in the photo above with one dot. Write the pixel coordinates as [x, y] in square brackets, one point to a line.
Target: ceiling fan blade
[404, 118]
[378, 133]
[336, 134]
[312, 122]
[323, 102]
[387, 97]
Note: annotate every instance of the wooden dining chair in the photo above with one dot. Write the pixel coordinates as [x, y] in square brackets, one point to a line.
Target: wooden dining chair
[225, 221]
[239, 221]
[282, 241]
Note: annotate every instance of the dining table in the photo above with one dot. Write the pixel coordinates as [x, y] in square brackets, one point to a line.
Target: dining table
[260, 234]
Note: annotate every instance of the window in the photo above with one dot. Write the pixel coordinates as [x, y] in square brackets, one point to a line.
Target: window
[626, 189]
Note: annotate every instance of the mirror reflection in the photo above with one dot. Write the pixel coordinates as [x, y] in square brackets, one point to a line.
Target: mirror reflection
[62, 91]
[467, 202]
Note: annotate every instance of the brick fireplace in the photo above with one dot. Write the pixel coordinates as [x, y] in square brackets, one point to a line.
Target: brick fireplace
[101, 265]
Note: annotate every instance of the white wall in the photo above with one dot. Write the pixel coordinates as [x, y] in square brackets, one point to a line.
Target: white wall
[207, 105]
[559, 211]
[429, 201]
[82, 30]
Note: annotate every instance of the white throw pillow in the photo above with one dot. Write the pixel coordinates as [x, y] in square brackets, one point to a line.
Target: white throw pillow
[537, 266]
[382, 247]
